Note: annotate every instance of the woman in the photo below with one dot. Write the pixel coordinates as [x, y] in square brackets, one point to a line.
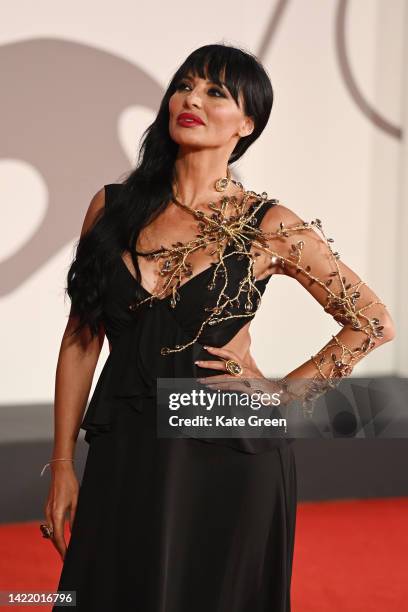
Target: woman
[171, 265]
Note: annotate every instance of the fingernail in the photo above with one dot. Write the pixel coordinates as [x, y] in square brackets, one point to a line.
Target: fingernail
[198, 361]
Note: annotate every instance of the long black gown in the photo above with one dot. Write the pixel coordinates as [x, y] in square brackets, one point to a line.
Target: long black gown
[175, 525]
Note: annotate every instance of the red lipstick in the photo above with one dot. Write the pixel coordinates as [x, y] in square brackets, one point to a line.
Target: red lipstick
[189, 120]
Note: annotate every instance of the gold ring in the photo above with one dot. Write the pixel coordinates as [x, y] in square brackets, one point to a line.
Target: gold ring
[47, 532]
[233, 367]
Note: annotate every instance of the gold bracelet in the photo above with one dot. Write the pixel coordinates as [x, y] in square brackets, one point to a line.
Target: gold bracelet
[51, 460]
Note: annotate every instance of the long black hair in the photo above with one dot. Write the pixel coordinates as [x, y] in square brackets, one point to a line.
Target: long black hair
[147, 188]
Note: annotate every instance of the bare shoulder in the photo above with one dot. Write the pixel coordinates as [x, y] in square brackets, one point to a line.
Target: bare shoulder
[285, 234]
[93, 212]
[277, 214]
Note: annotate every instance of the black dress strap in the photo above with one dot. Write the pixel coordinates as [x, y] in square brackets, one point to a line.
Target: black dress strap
[111, 191]
[261, 212]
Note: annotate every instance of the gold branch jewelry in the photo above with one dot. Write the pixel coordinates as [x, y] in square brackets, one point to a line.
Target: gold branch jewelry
[220, 229]
[222, 183]
[337, 358]
[233, 223]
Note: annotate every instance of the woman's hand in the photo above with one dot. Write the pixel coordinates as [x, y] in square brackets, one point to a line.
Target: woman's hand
[62, 500]
[226, 380]
[264, 386]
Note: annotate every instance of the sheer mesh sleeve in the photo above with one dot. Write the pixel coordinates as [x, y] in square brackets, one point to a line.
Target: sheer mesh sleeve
[302, 250]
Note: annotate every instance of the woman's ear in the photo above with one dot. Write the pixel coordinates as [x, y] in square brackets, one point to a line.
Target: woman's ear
[247, 127]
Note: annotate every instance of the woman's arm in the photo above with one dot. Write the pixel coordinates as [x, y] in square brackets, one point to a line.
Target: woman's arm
[76, 365]
[77, 359]
[78, 356]
[302, 251]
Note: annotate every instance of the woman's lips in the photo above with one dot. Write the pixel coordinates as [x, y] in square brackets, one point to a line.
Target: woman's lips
[188, 121]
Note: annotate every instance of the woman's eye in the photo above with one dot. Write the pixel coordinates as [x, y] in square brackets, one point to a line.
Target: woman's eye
[213, 90]
[182, 86]
[216, 91]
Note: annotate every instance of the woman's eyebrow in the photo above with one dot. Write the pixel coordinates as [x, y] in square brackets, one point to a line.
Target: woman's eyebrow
[220, 83]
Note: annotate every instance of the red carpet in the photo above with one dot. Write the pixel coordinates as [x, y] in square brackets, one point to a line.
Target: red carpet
[350, 556]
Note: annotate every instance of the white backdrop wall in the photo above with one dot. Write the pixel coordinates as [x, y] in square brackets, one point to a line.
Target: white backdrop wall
[81, 81]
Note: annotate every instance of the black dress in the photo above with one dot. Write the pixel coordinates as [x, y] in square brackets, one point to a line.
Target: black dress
[175, 525]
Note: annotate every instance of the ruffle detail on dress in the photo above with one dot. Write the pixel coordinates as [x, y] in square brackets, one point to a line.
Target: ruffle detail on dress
[135, 363]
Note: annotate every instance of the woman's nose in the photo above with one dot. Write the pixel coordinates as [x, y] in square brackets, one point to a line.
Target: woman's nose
[193, 99]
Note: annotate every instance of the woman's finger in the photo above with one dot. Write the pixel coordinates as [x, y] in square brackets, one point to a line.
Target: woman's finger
[234, 385]
[72, 513]
[48, 516]
[217, 378]
[58, 520]
[222, 352]
[223, 380]
[226, 381]
[216, 365]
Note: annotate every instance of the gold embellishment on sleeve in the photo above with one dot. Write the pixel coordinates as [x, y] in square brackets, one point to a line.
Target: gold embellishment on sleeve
[335, 360]
[341, 305]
